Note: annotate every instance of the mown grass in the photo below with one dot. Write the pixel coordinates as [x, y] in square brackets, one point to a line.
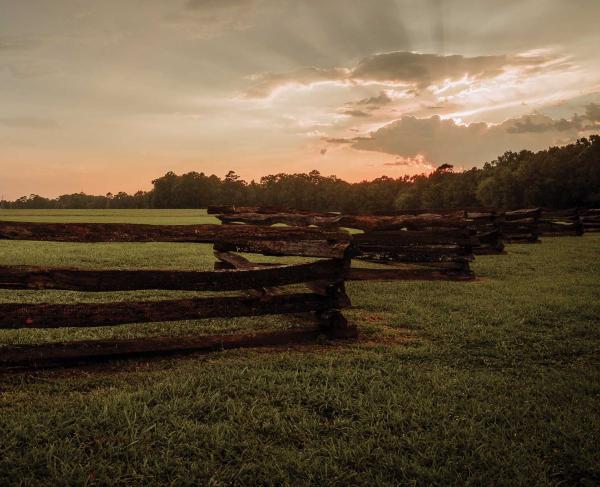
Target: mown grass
[492, 382]
[151, 217]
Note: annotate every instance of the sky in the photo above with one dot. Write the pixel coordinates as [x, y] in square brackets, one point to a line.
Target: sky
[100, 96]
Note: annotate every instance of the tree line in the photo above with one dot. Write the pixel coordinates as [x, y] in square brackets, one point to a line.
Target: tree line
[559, 177]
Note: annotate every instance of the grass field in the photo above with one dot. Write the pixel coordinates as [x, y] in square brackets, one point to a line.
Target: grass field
[492, 382]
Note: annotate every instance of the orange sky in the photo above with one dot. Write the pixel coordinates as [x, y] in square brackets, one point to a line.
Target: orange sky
[106, 96]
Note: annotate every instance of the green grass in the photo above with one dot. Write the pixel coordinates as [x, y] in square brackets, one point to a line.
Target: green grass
[151, 217]
[492, 382]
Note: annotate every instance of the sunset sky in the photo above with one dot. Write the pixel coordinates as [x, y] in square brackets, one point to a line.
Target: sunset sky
[101, 96]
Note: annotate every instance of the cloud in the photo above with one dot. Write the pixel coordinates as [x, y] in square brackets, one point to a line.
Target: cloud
[418, 160]
[356, 113]
[376, 101]
[423, 70]
[365, 106]
[266, 83]
[538, 123]
[211, 18]
[446, 141]
[592, 112]
[342, 140]
[415, 70]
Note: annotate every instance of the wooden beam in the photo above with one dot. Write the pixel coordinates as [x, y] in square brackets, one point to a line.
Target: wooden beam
[292, 219]
[417, 237]
[445, 253]
[97, 351]
[17, 277]
[309, 242]
[361, 222]
[235, 261]
[17, 315]
[524, 213]
[331, 320]
[310, 248]
[125, 232]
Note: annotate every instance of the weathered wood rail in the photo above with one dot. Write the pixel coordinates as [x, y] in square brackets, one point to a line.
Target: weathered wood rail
[488, 230]
[411, 246]
[558, 223]
[521, 226]
[314, 288]
[494, 228]
[310, 242]
[486, 222]
[590, 219]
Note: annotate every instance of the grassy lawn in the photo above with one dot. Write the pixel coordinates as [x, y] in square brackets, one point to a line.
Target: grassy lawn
[151, 217]
[492, 382]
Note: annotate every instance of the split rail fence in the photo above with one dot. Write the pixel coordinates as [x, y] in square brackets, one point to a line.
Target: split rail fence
[521, 226]
[261, 290]
[487, 224]
[558, 223]
[590, 219]
[422, 247]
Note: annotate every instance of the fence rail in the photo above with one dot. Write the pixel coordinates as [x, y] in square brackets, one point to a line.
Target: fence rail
[308, 242]
[558, 223]
[590, 219]
[410, 246]
[314, 289]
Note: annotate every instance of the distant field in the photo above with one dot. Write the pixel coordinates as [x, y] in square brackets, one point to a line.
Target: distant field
[151, 217]
[492, 382]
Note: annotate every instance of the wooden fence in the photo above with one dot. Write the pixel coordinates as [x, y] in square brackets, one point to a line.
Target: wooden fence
[590, 219]
[261, 289]
[412, 247]
[521, 226]
[488, 229]
[558, 223]
[486, 223]
[423, 247]
[492, 227]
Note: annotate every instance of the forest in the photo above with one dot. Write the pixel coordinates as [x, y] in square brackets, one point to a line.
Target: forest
[559, 177]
